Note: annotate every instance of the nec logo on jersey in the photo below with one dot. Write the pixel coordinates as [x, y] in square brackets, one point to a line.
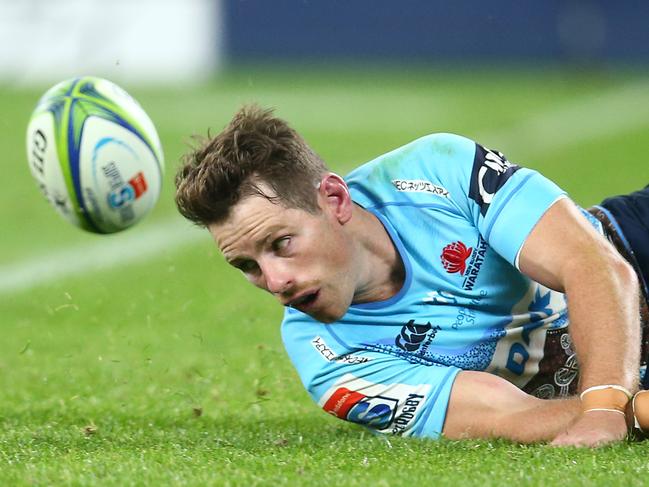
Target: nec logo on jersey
[454, 257]
[419, 186]
[491, 170]
[376, 411]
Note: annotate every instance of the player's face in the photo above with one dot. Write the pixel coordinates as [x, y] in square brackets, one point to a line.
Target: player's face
[304, 260]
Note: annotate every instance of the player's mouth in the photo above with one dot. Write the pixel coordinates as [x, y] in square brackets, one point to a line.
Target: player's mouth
[306, 302]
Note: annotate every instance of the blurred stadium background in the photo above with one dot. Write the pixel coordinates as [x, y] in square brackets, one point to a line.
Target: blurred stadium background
[140, 357]
[171, 40]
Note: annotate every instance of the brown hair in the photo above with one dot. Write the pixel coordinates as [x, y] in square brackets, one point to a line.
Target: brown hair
[255, 147]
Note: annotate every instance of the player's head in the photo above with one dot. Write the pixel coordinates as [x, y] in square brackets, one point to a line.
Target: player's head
[275, 212]
[256, 150]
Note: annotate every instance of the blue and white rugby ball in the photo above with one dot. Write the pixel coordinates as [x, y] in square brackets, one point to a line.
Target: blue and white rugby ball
[95, 154]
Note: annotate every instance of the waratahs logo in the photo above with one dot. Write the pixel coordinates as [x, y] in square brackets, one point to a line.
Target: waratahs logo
[375, 411]
[454, 257]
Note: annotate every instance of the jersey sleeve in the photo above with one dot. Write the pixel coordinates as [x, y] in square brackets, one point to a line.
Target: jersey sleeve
[384, 393]
[459, 177]
[506, 201]
[503, 200]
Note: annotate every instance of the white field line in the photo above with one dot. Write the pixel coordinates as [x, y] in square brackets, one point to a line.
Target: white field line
[136, 245]
[603, 114]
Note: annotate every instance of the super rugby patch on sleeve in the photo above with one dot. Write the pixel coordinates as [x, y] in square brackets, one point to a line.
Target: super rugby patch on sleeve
[490, 172]
[388, 408]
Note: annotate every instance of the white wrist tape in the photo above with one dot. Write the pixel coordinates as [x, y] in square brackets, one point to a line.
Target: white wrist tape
[605, 409]
[607, 386]
[607, 397]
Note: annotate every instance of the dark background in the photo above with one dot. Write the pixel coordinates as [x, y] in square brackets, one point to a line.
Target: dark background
[437, 31]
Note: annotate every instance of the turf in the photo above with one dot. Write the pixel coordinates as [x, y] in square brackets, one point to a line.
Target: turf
[170, 370]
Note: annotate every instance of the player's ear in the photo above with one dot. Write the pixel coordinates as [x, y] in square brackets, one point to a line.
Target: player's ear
[334, 197]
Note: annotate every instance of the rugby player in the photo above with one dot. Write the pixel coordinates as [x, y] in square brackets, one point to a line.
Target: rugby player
[438, 289]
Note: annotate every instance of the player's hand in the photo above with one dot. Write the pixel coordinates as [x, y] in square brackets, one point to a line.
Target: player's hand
[592, 429]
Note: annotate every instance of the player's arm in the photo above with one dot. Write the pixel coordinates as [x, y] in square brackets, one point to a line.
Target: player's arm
[565, 253]
[483, 405]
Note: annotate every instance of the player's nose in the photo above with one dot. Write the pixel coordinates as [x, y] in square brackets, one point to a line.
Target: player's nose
[278, 278]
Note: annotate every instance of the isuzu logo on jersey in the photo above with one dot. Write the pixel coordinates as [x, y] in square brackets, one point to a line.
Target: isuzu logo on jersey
[419, 186]
[389, 408]
[454, 257]
[491, 170]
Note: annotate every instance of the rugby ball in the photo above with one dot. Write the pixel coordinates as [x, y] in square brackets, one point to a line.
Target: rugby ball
[95, 154]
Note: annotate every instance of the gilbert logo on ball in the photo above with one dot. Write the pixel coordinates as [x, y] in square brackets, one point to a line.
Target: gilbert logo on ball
[95, 154]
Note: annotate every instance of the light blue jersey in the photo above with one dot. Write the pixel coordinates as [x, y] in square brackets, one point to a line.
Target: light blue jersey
[458, 215]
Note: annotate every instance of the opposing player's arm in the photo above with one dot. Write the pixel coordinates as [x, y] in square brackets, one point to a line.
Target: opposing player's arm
[565, 253]
[483, 405]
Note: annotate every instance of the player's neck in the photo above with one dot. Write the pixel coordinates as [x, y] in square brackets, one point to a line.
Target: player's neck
[382, 272]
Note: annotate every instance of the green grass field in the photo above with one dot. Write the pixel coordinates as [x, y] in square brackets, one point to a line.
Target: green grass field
[163, 367]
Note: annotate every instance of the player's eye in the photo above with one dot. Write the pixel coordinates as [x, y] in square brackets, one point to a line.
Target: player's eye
[281, 244]
[247, 266]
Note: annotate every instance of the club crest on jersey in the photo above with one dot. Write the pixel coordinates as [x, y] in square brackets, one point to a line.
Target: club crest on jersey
[466, 261]
[454, 257]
